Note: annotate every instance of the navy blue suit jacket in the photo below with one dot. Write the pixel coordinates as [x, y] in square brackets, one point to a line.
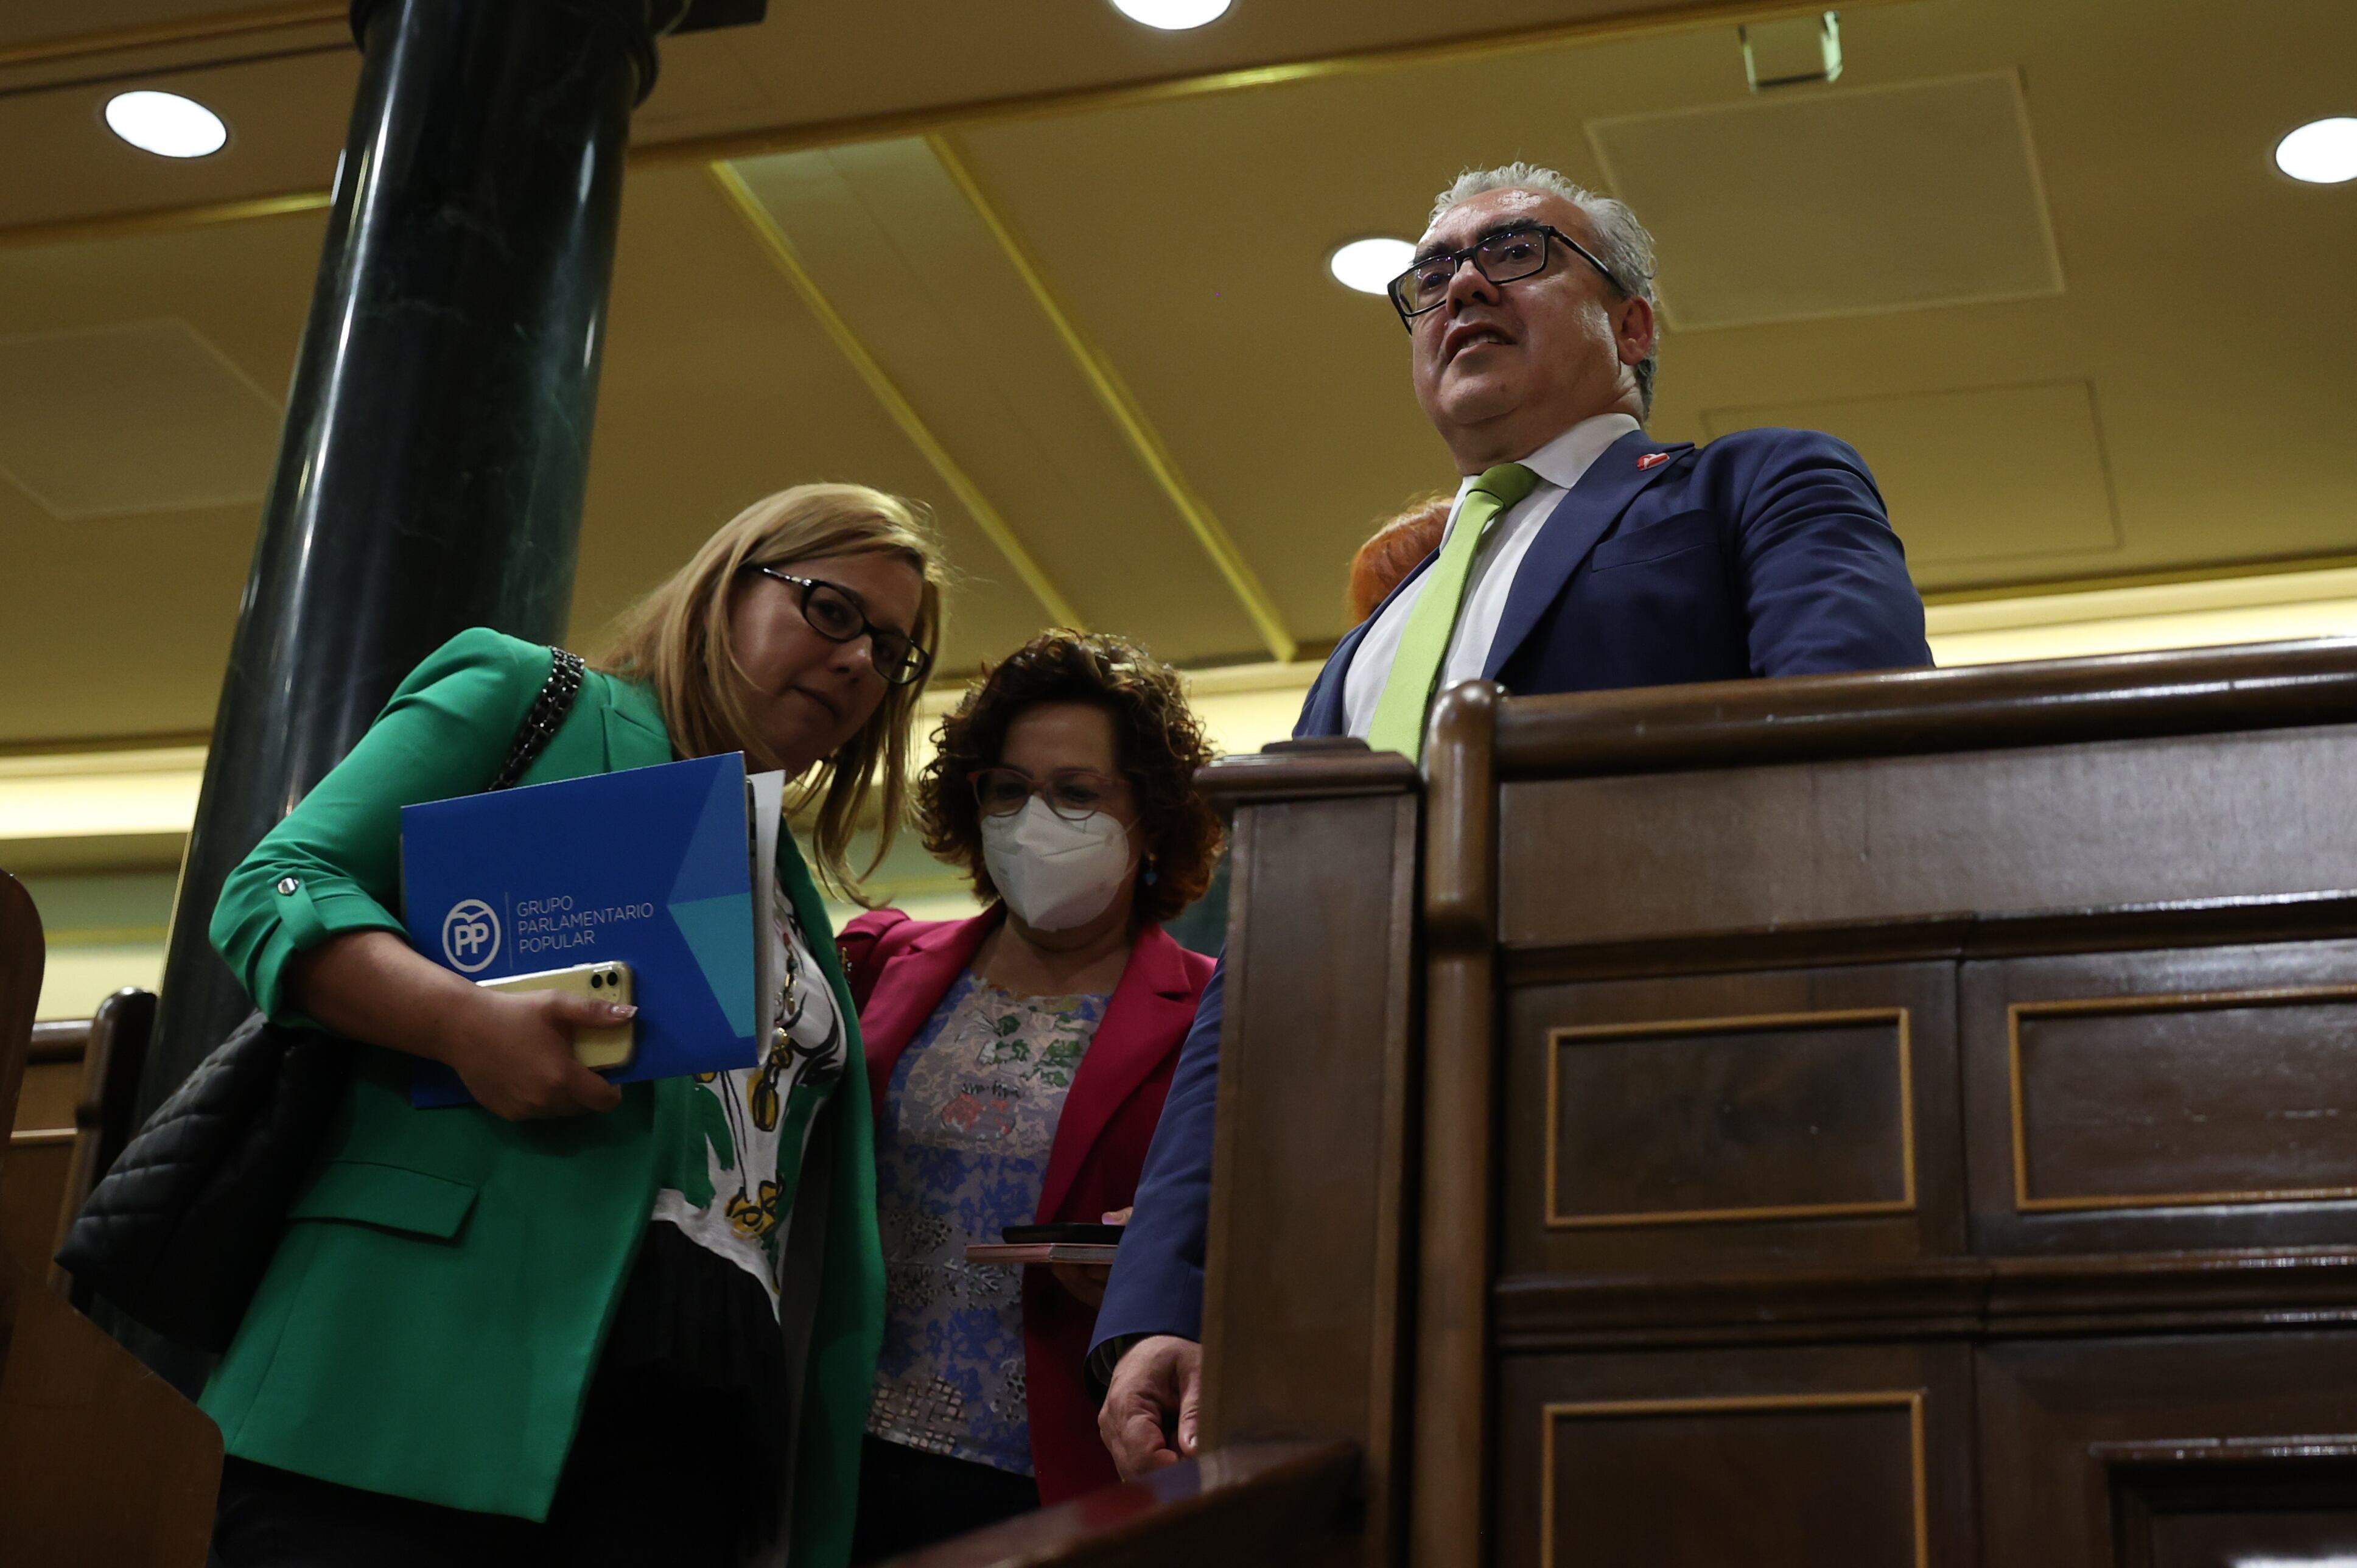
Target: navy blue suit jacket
[1766, 553]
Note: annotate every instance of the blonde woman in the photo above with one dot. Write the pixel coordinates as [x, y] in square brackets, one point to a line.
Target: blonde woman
[577, 1323]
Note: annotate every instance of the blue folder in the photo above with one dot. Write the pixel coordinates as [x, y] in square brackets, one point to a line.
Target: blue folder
[652, 866]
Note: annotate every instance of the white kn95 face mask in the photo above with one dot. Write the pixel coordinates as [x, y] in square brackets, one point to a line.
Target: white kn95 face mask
[1055, 873]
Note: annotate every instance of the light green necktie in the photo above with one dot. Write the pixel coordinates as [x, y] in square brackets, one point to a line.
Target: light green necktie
[1415, 668]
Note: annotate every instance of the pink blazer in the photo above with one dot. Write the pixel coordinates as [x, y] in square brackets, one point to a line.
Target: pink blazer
[900, 970]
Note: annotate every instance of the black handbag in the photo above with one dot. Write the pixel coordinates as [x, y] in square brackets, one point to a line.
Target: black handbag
[179, 1231]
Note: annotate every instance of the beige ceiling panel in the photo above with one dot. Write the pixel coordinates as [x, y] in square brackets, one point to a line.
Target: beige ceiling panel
[1838, 202]
[1190, 241]
[2206, 294]
[718, 390]
[901, 253]
[903, 57]
[1288, 398]
[24, 21]
[286, 118]
[121, 626]
[1989, 476]
[2207, 299]
[141, 418]
[839, 73]
[700, 79]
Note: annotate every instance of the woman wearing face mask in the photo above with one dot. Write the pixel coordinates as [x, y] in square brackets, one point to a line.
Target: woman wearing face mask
[1017, 1061]
[574, 1322]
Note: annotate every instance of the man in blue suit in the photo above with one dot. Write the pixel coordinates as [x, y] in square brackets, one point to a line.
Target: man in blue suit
[1580, 554]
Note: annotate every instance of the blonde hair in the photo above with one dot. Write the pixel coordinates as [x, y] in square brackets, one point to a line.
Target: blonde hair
[676, 641]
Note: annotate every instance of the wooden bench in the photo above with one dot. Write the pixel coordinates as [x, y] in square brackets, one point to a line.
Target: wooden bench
[101, 1461]
[73, 1116]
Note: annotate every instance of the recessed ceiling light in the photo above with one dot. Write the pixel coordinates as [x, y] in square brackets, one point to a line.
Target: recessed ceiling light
[165, 123]
[2322, 152]
[1172, 16]
[1369, 265]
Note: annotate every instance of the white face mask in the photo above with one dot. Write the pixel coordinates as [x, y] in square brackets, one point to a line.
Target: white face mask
[1056, 874]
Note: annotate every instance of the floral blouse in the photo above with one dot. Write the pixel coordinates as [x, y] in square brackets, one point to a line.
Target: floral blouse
[968, 1122]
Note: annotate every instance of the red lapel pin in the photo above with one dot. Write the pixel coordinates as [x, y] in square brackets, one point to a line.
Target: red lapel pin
[1651, 460]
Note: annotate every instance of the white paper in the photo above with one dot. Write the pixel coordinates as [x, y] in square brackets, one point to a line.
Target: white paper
[765, 799]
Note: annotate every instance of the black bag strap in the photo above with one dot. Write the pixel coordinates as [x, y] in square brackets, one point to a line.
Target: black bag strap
[546, 717]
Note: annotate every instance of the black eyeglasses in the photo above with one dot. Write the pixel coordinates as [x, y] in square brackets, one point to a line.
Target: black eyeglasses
[1502, 257]
[1074, 794]
[836, 615]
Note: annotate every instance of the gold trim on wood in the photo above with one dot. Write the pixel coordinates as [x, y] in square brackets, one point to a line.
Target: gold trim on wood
[1909, 1400]
[788, 260]
[2165, 1001]
[1121, 407]
[1905, 1205]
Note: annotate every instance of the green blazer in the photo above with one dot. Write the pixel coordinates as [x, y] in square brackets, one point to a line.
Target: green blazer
[430, 1323]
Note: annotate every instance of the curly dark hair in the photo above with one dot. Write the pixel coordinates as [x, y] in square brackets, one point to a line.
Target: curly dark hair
[1158, 743]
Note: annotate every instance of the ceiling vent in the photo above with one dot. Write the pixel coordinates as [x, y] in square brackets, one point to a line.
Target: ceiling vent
[1838, 203]
[148, 417]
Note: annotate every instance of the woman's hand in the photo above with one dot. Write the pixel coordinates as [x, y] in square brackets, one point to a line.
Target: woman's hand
[1087, 1281]
[513, 1050]
[514, 1053]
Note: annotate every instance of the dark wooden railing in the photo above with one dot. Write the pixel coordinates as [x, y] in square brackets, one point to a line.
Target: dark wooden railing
[1294, 1503]
[1735, 724]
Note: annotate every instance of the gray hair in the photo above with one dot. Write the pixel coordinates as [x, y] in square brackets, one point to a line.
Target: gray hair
[1622, 242]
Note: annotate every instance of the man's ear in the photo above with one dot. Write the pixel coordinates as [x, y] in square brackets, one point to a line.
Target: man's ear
[1635, 329]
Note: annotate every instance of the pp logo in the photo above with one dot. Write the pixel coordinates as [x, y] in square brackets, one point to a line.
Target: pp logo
[470, 936]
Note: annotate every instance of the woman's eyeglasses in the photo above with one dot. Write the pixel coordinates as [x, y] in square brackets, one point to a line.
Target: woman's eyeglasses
[836, 615]
[1072, 793]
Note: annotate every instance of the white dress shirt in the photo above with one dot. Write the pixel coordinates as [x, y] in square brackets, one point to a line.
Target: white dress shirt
[1497, 558]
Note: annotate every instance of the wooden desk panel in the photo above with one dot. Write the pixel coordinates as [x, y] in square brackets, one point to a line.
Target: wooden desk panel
[1772, 1458]
[1866, 843]
[2151, 1101]
[1798, 1119]
[1697, 1120]
[1305, 1321]
[2129, 1451]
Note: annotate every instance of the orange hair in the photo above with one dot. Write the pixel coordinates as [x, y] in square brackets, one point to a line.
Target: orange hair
[1395, 548]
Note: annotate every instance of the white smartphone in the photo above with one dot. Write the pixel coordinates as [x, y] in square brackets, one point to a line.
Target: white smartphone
[602, 1049]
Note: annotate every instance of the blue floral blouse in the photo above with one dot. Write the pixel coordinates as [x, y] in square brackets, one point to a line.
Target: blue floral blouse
[969, 1119]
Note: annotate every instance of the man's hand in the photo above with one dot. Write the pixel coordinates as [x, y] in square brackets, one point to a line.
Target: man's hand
[1158, 1383]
